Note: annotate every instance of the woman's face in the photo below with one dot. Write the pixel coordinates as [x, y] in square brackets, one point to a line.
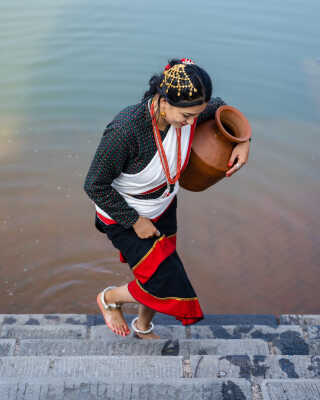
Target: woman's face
[180, 116]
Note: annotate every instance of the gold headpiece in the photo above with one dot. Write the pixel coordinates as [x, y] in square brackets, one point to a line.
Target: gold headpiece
[177, 78]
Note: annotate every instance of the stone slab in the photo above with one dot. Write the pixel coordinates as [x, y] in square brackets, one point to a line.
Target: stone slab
[162, 319]
[7, 347]
[238, 319]
[133, 347]
[63, 331]
[295, 389]
[169, 389]
[314, 347]
[209, 319]
[256, 367]
[223, 347]
[116, 367]
[285, 339]
[136, 347]
[267, 333]
[43, 319]
[313, 332]
[300, 319]
[159, 319]
[164, 331]
[291, 342]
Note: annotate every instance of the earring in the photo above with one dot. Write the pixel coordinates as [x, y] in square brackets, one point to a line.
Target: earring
[163, 114]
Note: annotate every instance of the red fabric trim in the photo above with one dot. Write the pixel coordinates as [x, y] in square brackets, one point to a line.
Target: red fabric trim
[193, 127]
[162, 249]
[154, 189]
[107, 221]
[187, 311]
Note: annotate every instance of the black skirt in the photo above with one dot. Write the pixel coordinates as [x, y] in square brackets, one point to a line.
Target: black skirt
[161, 282]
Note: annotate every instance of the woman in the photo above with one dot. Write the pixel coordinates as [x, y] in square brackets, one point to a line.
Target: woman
[133, 181]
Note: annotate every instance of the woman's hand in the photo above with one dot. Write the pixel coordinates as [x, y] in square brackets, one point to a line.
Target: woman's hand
[144, 228]
[240, 155]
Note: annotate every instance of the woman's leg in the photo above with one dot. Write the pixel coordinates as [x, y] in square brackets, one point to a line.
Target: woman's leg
[115, 318]
[121, 295]
[145, 316]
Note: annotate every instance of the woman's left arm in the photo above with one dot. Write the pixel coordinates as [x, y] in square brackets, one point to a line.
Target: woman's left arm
[238, 158]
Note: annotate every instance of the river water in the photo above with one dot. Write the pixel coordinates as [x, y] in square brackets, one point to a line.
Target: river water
[251, 243]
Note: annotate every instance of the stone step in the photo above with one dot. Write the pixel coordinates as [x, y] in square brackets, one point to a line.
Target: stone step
[210, 319]
[168, 389]
[111, 367]
[299, 319]
[160, 389]
[7, 347]
[264, 332]
[136, 347]
[67, 331]
[294, 389]
[162, 319]
[284, 339]
[43, 319]
[63, 331]
[256, 367]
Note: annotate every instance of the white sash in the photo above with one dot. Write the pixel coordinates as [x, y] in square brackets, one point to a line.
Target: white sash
[153, 176]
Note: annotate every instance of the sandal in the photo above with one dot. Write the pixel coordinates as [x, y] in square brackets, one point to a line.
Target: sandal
[139, 330]
[106, 307]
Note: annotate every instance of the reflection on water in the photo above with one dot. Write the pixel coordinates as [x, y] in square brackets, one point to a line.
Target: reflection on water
[312, 68]
[251, 245]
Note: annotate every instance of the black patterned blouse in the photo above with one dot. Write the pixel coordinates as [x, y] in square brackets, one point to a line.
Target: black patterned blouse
[127, 145]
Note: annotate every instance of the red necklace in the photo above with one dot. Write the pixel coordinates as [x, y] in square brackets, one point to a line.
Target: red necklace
[162, 154]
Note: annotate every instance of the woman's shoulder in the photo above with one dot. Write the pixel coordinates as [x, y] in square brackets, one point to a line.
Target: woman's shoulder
[216, 102]
[129, 118]
[209, 112]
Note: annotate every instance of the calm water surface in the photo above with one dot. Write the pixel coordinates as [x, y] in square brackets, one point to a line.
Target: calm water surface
[251, 243]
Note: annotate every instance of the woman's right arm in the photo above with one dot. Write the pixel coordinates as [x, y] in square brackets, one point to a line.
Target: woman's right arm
[108, 162]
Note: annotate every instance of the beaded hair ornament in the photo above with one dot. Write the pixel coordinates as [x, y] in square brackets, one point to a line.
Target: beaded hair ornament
[176, 77]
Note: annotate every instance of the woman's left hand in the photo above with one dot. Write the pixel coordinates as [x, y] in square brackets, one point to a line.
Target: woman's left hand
[239, 157]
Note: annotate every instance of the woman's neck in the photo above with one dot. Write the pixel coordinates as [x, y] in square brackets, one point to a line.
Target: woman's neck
[161, 122]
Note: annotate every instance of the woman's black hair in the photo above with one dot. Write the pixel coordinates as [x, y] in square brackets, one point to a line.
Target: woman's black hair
[199, 78]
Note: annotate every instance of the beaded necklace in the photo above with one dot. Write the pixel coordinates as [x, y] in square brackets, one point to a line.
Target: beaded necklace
[162, 154]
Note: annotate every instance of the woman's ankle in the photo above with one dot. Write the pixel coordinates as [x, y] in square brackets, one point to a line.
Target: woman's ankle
[142, 325]
[119, 295]
[110, 297]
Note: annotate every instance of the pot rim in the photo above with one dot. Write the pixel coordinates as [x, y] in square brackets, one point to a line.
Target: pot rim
[248, 132]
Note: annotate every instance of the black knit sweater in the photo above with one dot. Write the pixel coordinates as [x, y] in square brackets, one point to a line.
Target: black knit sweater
[127, 145]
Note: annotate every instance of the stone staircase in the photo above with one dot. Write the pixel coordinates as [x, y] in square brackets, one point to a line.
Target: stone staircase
[224, 357]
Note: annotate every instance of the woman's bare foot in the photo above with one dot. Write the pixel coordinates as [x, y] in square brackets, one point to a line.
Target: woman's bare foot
[150, 335]
[114, 318]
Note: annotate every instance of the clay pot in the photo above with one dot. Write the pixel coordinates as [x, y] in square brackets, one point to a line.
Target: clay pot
[212, 146]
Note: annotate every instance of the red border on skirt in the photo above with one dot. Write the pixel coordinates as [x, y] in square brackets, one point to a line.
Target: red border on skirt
[162, 249]
[185, 310]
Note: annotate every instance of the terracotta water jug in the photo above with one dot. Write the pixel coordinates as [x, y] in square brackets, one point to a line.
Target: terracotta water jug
[212, 146]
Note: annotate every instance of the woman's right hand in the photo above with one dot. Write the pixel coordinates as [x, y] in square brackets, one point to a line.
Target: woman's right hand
[144, 228]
